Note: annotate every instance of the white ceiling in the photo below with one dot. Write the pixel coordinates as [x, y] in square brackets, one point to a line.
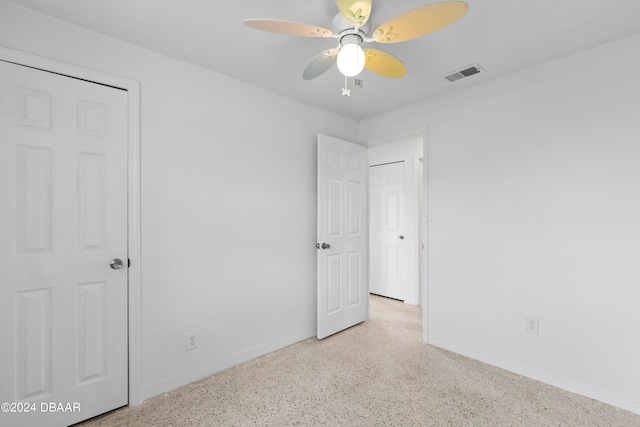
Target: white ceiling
[503, 36]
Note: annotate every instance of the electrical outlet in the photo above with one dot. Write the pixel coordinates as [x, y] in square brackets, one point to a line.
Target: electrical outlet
[533, 325]
[192, 344]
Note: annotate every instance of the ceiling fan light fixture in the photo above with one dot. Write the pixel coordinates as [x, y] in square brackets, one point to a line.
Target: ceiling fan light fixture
[351, 58]
[351, 26]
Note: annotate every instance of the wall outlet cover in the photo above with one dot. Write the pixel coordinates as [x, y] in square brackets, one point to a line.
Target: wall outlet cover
[533, 325]
[192, 343]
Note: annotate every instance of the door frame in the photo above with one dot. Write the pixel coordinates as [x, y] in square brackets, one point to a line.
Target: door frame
[133, 198]
[423, 226]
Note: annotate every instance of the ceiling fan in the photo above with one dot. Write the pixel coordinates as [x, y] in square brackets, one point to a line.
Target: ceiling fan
[351, 27]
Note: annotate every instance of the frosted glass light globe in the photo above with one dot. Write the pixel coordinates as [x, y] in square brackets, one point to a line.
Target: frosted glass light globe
[350, 59]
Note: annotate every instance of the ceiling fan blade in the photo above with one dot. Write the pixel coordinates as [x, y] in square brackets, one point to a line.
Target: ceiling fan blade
[320, 63]
[420, 22]
[356, 12]
[288, 27]
[384, 64]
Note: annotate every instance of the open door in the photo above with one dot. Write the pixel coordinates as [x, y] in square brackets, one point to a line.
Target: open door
[342, 235]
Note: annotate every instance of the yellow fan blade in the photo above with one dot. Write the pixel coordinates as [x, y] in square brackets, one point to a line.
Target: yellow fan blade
[384, 64]
[288, 27]
[420, 22]
[356, 12]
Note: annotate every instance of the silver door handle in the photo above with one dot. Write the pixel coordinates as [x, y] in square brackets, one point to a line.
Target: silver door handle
[401, 237]
[116, 263]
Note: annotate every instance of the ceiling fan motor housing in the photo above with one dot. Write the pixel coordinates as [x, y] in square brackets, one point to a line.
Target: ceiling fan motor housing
[351, 38]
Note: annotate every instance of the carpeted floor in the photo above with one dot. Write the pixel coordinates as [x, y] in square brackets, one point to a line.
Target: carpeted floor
[378, 373]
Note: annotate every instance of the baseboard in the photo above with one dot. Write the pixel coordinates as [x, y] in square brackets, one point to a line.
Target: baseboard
[181, 380]
[411, 301]
[565, 383]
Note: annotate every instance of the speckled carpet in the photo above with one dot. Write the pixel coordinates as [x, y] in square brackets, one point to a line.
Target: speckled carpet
[378, 373]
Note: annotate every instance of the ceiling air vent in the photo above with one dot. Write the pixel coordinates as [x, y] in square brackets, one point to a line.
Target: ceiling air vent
[466, 72]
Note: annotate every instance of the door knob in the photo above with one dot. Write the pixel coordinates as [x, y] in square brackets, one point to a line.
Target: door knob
[326, 246]
[116, 263]
[401, 237]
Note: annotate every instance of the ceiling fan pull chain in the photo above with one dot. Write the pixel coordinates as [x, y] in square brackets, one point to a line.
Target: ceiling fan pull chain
[346, 92]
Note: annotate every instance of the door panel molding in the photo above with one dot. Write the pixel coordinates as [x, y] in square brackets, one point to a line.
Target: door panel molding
[133, 215]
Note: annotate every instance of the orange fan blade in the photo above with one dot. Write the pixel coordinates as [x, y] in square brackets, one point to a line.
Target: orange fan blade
[356, 12]
[420, 22]
[384, 64]
[288, 27]
[320, 63]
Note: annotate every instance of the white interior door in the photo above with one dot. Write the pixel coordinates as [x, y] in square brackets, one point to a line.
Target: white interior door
[63, 308]
[342, 235]
[387, 243]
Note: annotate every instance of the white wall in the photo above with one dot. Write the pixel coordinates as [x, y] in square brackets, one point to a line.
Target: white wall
[228, 203]
[533, 180]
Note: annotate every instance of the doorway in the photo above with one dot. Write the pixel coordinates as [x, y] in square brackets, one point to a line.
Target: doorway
[395, 220]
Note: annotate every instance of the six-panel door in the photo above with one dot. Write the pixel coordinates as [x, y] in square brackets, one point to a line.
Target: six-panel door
[63, 186]
[342, 228]
[387, 244]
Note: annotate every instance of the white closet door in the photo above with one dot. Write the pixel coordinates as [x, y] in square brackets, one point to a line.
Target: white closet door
[63, 308]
